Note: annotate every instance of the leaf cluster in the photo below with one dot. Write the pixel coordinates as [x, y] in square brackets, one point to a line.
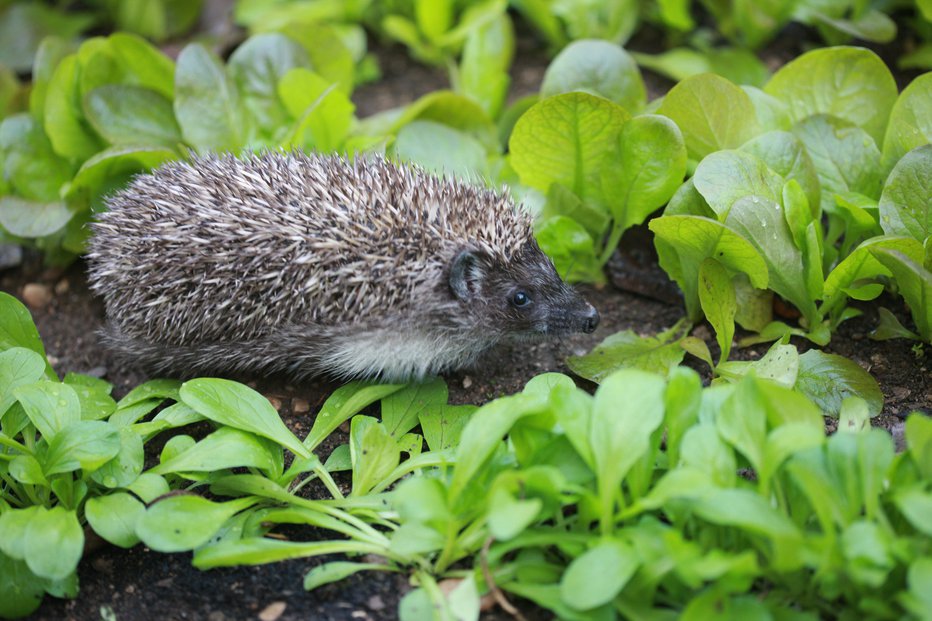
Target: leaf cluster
[117, 106]
[815, 196]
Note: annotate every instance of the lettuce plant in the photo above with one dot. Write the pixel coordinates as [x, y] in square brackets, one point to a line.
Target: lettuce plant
[788, 183]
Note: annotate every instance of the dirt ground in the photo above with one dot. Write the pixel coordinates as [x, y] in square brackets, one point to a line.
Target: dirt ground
[142, 585]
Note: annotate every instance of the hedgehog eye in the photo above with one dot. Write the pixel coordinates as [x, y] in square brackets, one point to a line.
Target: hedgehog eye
[520, 299]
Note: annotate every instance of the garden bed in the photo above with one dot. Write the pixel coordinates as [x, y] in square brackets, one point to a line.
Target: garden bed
[142, 584]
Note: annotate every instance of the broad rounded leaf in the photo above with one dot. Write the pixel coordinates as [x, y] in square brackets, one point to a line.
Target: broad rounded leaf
[207, 104]
[847, 82]
[86, 444]
[51, 406]
[441, 149]
[131, 115]
[598, 575]
[724, 177]
[650, 168]
[828, 379]
[845, 157]
[910, 120]
[114, 517]
[906, 202]
[567, 139]
[241, 407]
[54, 543]
[31, 219]
[712, 113]
[597, 67]
[181, 523]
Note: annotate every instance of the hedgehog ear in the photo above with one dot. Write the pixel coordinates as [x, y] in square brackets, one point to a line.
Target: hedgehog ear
[466, 274]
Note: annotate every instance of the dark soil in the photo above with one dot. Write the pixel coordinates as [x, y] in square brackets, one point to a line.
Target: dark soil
[141, 585]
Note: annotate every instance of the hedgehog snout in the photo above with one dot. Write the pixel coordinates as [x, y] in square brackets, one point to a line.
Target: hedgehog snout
[590, 319]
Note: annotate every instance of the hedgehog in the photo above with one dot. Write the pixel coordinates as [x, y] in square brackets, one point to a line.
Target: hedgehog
[310, 264]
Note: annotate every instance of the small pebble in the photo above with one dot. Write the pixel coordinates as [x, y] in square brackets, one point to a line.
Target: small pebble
[300, 406]
[273, 611]
[375, 603]
[36, 295]
[467, 381]
[62, 286]
[276, 403]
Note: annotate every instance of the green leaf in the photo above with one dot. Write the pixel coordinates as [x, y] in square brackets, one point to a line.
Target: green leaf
[626, 350]
[257, 550]
[149, 486]
[828, 379]
[257, 66]
[567, 139]
[712, 113]
[373, 452]
[441, 149]
[114, 517]
[333, 51]
[26, 469]
[786, 155]
[919, 577]
[226, 448]
[443, 426]
[401, 410]
[126, 466]
[18, 367]
[29, 164]
[780, 364]
[915, 285]
[744, 510]
[910, 123]
[21, 591]
[689, 240]
[650, 168]
[152, 389]
[24, 25]
[181, 523]
[741, 421]
[628, 408]
[904, 205]
[484, 433]
[847, 82]
[335, 571]
[570, 247]
[54, 543]
[737, 65]
[146, 65]
[861, 266]
[724, 177]
[324, 113]
[86, 444]
[763, 223]
[110, 169]
[239, 406]
[64, 121]
[597, 576]
[717, 297]
[919, 442]
[434, 17]
[51, 406]
[486, 58]
[132, 115]
[845, 157]
[207, 104]
[599, 68]
[30, 219]
[343, 404]
[16, 326]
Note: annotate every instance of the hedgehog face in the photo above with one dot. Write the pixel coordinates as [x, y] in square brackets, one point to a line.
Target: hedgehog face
[521, 297]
